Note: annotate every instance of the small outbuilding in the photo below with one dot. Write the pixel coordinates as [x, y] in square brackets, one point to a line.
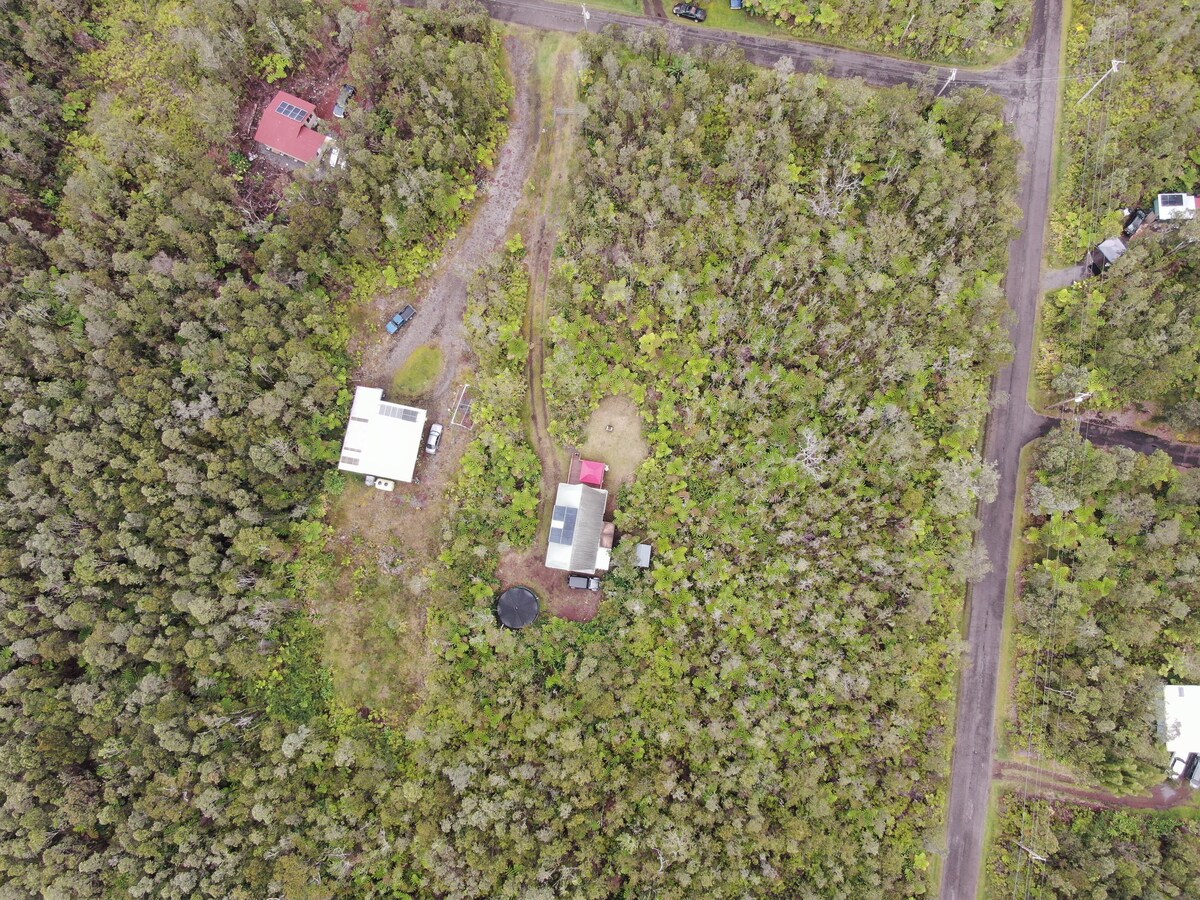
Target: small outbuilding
[592, 472]
[517, 607]
[382, 439]
[642, 559]
[285, 128]
[1174, 206]
[1112, 249]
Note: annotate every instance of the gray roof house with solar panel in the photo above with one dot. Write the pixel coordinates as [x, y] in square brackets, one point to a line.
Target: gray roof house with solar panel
[382, 439]
[576, 530]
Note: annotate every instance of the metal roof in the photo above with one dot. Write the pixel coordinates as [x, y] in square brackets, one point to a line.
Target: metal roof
[382, 439]
[575, 528]
[282, 128]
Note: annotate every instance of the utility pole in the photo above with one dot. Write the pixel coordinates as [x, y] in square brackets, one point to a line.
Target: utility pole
[586, 15]
[953, 75]
[1116, 64]
[1036, 857]
[906, 27]
[1077, 399]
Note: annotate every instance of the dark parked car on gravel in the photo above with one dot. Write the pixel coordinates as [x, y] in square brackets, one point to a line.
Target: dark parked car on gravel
[1136, 219]
[400, 319]
[689, 11]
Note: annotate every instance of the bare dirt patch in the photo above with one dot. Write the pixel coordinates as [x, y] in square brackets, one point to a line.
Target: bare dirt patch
[614, 436]
[529, 569]
[1041, 782]
[373, 602]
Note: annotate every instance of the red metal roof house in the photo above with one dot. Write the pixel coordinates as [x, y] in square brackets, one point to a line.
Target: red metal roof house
[283, 128]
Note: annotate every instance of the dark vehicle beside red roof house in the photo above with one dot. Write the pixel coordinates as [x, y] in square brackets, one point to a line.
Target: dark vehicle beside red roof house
[343, 100]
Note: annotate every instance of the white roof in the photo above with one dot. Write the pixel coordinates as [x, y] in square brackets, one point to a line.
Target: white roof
[1175, 206]
[1181, 720]
[382, 439]
[575, 529]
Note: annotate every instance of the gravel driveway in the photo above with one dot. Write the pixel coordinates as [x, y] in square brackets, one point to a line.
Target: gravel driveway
[441, 297]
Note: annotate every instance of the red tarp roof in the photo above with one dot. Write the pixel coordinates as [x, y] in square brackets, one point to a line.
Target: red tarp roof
[592, 472]
[282, 128]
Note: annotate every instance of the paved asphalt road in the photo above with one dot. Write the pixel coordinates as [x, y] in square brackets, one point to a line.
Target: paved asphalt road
[1009, 428]
[1030, 84]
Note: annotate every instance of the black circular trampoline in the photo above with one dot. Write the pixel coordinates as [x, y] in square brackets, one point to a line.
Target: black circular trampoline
[517, 607]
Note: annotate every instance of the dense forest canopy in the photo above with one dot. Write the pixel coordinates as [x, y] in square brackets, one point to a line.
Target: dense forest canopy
[922, 29]
[1132, 337]
[797, 281]
[1109, 595]
[1091, 853]
[172, 373]
[1135, 136]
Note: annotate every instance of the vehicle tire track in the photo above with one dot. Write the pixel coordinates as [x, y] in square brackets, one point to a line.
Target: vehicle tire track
[557, 146]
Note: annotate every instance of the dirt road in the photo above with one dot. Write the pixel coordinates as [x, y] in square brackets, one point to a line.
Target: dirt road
[441, 297]
[1035, 781]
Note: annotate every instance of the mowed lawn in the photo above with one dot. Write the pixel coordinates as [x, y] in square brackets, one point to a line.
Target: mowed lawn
[418, 374]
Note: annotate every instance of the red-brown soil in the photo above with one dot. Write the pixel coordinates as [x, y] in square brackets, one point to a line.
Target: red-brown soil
[1053, 785]
[550, 585]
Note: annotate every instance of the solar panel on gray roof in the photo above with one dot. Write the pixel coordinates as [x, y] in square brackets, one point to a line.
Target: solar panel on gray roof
[399, 412]
[1171, 200]
[556, 536]
[291, 111]
[569, 525]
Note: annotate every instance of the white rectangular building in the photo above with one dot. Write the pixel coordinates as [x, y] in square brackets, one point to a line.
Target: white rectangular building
[1181, 726]
[576, 530]
[1175, 206]
[382, 439]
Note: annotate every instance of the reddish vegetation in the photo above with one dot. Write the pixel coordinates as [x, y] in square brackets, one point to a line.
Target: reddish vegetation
[528, 568]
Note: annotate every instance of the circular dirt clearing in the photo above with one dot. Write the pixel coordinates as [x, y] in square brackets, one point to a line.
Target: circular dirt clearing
[517, 607]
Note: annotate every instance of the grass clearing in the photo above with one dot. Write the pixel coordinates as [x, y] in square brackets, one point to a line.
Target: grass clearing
[418, 374]
[739, 20]
[1016, 558]
[371, 593]
[374, 635]
[629, 7]
[614, 436]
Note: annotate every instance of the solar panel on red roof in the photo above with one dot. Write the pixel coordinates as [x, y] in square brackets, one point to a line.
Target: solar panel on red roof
[295, 113]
